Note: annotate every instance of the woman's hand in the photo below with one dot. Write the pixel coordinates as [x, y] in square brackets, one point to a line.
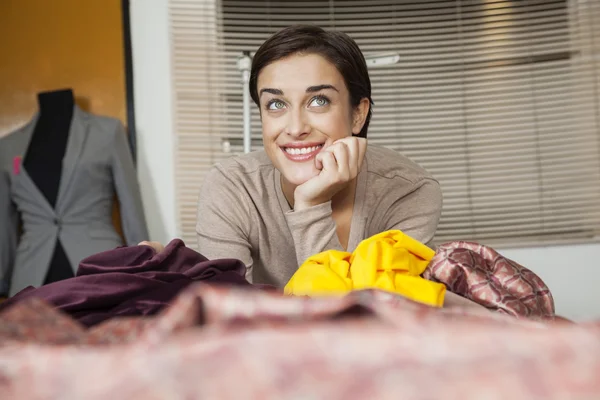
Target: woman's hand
[158, 247]
[338, 164]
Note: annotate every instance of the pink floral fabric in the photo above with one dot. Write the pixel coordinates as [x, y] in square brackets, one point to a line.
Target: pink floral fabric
[217, 343]
[481, 274]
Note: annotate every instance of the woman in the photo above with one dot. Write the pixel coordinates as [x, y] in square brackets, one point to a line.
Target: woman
[317, 185]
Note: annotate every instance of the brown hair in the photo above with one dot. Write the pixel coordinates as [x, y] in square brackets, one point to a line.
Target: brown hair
[337, 47]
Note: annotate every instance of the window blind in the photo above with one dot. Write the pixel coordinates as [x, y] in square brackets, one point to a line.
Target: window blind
[499, 100]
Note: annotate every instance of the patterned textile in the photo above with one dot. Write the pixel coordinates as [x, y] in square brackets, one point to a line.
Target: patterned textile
[481, 274]
[217, 343]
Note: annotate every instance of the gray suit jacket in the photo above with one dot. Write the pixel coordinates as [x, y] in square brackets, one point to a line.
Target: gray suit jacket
[97, 162]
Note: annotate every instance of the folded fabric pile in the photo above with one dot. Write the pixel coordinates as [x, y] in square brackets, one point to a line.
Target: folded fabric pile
[130, 281]
[395, 262]
[135, 281]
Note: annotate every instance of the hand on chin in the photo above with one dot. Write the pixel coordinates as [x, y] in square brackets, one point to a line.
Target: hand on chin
[335, 167]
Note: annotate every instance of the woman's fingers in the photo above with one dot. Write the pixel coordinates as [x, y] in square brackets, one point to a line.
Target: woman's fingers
[158, 247]
[338, 164]
[329, 162]
[356, 148]
[342, 158]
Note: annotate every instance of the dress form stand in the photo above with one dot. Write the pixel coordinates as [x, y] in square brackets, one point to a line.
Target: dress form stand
[43, 161]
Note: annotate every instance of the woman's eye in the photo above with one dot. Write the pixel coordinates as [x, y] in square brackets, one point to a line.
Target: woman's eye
[319, 102]
[276, 105]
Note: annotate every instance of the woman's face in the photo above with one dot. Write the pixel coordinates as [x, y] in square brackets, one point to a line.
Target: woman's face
[305, 107]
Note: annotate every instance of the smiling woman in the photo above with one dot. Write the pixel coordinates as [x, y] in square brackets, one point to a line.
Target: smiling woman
[317, 185]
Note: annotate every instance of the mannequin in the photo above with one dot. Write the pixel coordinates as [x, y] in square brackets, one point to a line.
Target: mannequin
[59, 175]
[43, 161]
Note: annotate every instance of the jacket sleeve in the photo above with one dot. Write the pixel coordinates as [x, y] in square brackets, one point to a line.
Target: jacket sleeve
[128, 190]
[8, 234]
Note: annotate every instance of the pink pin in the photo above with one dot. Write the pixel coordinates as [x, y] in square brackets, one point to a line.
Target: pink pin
[17, 165]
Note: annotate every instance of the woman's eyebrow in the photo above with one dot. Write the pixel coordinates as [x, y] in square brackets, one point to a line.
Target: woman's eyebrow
[278, 92]
[312, 89]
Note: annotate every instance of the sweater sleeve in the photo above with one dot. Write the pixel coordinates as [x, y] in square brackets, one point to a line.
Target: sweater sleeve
[313, 231]
[416, 213]
[223, 221]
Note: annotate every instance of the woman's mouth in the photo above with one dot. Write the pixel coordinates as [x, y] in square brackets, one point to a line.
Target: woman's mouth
[298, 153]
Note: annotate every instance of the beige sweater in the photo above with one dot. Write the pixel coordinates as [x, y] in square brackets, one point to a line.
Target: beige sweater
[243, 214]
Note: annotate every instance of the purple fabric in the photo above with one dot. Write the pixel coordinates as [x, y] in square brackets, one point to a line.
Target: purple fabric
[130, 281]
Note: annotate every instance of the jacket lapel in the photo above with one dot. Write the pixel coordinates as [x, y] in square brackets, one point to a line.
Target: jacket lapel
[77, 136]
[22, 179]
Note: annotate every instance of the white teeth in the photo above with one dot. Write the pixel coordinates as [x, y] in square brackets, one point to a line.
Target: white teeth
[303, 150]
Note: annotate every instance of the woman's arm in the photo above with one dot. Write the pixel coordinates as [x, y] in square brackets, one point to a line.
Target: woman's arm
[313, 231]
[223, 221]
[311, 222]
[416, 214]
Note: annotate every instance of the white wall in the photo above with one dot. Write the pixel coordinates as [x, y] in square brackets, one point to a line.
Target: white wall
[571, 272]
[153, 114]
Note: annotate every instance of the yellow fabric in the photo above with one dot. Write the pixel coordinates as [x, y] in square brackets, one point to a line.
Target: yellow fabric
[390, 261]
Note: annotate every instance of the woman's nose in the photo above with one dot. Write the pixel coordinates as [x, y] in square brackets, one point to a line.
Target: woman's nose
[297, 125]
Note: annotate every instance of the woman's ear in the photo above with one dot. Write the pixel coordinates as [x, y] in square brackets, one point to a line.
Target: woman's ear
[359, 115]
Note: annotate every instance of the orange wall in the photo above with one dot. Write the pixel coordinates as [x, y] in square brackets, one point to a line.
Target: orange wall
[53, 44]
